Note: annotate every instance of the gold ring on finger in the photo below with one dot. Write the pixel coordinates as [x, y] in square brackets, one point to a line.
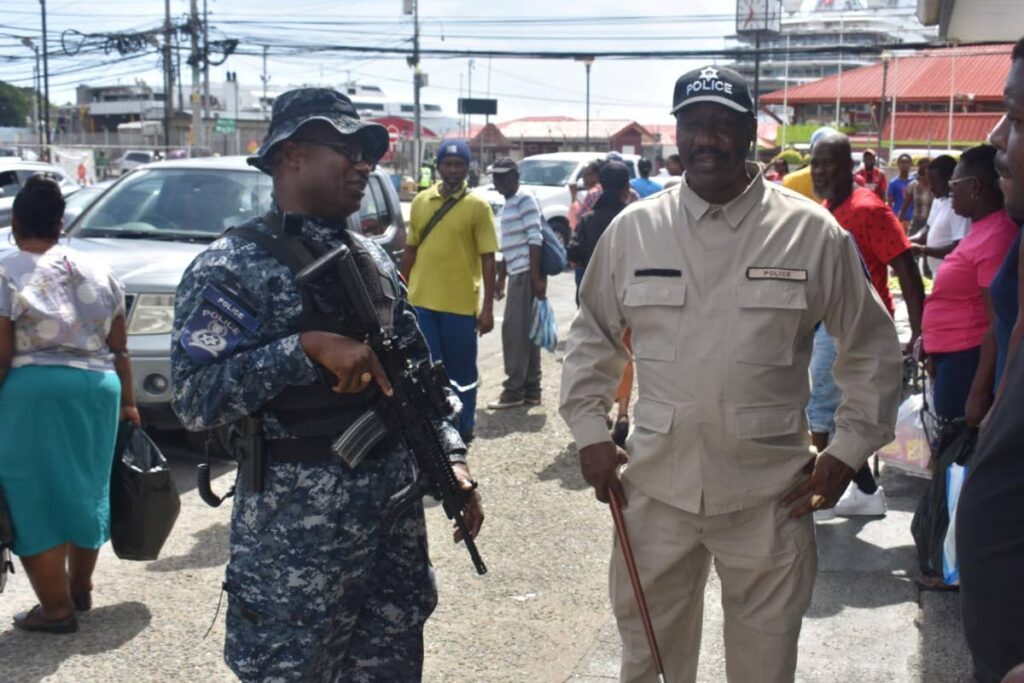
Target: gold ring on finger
[817, 500]
[365, 378]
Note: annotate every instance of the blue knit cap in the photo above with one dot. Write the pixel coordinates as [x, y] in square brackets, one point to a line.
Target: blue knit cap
[453, 148]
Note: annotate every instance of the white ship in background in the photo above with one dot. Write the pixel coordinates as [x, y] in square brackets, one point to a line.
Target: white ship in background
[371, 103]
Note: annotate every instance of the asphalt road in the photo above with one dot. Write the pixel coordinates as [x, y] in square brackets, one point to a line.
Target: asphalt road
[541, 614]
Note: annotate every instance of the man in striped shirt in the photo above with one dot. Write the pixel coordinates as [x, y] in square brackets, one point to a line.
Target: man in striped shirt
[521, 242]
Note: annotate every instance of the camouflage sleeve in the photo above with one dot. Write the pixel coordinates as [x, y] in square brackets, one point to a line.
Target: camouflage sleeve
[212, 392]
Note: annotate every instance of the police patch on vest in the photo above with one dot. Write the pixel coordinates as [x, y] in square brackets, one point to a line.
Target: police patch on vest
[216, 326]
[794, 274]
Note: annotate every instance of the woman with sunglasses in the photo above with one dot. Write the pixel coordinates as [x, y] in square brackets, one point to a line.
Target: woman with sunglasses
[958, 312]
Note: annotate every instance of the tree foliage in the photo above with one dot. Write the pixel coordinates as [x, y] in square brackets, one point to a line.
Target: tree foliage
[15, 105]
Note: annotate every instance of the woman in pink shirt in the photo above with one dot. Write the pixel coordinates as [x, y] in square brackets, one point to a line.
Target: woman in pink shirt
[958, 311]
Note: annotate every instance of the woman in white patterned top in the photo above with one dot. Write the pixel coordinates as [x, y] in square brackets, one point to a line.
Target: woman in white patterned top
[65, 382]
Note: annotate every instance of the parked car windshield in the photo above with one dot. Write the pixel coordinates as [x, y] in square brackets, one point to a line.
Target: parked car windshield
[78, 201]
[176, 203]
[546, 171]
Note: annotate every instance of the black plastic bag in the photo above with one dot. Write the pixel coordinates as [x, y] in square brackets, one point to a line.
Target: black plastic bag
[6, 541]
[931, 519]
[144, 501]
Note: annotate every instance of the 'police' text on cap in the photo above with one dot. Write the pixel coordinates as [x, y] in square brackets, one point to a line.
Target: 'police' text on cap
[713, 84]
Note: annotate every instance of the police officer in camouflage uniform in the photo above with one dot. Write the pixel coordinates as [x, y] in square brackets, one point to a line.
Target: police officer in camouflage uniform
[319, 588]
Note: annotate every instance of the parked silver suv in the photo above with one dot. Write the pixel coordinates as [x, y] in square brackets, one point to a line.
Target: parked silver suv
[154, 221]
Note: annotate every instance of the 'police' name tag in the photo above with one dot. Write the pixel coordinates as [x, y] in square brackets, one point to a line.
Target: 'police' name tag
[217, 326]
[793, 274]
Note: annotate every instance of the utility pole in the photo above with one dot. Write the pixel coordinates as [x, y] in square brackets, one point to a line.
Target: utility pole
[417, 83]
[46, 82]
[197, 109]
[168, 75]
[265, 77]
[206, 64]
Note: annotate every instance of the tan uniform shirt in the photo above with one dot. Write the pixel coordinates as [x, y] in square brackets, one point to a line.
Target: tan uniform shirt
[723, 302]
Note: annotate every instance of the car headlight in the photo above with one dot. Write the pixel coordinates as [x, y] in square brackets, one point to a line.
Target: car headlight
[152, 314]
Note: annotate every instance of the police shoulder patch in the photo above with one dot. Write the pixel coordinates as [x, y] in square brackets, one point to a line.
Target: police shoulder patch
[221, 320]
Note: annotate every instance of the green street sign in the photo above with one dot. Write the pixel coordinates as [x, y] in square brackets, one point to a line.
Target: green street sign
[224, 126]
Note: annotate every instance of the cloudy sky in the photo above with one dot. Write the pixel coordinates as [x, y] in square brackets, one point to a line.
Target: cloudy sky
[636, 89]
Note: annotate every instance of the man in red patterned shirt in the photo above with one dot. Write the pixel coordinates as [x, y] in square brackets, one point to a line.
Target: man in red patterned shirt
[883, 244]
[871, 177]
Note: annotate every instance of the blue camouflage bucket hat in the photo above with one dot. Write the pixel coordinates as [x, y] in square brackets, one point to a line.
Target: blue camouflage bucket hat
[297, 107]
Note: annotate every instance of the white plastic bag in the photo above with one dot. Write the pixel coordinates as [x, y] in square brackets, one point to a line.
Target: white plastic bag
[954, 482]
[544, 330]
[910, 451]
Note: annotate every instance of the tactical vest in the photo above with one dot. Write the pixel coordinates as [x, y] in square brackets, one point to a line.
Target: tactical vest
[314, 409]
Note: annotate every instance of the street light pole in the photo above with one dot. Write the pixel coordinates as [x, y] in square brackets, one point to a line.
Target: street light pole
[46, 83]
[587, 62]
[881, 109]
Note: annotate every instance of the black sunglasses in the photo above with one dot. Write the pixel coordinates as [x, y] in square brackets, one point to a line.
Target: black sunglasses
[355, 154]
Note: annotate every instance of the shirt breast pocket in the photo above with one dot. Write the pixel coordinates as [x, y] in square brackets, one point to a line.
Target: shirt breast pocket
[769, 319]
[654, 311]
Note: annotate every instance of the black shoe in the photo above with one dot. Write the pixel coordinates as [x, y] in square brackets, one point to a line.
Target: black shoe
[620, 432]
[33, 620]
[467, 436]
[532, 400]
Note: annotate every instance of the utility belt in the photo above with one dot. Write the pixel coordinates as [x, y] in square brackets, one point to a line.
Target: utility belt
[246, 444]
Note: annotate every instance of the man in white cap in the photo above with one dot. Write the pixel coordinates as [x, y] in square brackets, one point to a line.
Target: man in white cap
[722, 280]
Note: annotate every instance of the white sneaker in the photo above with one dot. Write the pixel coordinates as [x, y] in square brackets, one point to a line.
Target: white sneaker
[856, 503]
[824, 515]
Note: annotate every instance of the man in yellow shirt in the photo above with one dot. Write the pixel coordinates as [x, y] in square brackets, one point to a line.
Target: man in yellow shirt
[449, 250]
[800, 181]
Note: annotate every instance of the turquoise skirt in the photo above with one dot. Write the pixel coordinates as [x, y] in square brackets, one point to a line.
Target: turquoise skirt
[57, 432]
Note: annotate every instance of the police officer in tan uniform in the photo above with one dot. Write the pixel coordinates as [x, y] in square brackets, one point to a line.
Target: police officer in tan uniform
[723, 279]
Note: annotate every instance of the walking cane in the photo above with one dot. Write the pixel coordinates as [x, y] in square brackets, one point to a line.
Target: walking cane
[634, 578]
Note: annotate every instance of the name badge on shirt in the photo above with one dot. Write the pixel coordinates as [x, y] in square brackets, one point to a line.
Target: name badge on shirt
[217, 325]
[794, 274]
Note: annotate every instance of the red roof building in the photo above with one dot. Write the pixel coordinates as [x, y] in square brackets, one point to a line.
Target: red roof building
[928, 77]
[920, 88]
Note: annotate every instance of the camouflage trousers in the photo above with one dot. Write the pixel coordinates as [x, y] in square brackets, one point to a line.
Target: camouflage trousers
[318, 589]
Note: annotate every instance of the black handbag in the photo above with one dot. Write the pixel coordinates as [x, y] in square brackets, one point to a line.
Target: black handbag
[144, 502]
[6, 541]
[955, 443]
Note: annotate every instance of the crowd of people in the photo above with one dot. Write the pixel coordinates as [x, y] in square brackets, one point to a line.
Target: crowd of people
[751, 310]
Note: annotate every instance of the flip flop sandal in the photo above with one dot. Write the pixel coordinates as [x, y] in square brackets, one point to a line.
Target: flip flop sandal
[935, 583]
[33, 620]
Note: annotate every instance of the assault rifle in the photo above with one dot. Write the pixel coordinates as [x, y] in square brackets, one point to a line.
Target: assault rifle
[419, 399]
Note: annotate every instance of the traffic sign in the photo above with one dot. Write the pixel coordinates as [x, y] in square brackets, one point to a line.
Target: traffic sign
[224, 126]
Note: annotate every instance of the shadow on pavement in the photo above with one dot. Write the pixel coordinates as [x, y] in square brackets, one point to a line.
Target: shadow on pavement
[495, 424]
[39, 655]
[566, 469]
[210, 550]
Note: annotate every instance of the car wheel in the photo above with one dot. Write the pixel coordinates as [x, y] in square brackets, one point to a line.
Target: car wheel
[561, 226]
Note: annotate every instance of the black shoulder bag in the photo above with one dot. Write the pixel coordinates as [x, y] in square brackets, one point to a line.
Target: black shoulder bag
[438, 215]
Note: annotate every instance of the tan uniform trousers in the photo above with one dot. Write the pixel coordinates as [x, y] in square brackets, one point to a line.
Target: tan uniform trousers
[766, 563]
